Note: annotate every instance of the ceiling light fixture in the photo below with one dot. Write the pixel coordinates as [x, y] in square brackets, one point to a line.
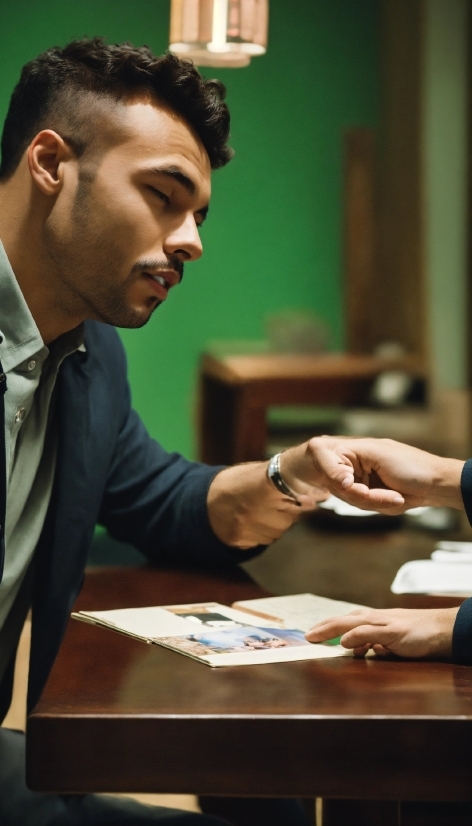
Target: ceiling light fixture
[220, 33]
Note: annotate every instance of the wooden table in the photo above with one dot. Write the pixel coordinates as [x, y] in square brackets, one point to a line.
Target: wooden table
[118, 715]
[235, 392]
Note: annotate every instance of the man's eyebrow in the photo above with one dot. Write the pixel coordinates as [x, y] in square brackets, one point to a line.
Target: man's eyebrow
[177, 175]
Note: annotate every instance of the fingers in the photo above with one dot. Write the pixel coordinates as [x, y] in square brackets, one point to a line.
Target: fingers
[359, 630]
[381, 651]
[335, 467]
[335, 626]
[362, 650]
[339, 467]
[398, 631]
[359, 637]
[368, 635]
[378, 499]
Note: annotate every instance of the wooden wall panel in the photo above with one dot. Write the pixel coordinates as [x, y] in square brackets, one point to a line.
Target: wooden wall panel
[360, 233]
[385, 290]
[469, 209]
[400, 289]
[469, 225]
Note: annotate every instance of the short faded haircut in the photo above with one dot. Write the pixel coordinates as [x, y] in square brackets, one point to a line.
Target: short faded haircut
[53, 86]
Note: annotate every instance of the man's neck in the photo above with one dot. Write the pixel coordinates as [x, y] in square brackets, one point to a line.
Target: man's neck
[21, 236]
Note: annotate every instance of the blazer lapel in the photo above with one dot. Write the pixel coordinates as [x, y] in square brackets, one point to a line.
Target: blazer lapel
[69, 501]
[61, 553]
[3, 470]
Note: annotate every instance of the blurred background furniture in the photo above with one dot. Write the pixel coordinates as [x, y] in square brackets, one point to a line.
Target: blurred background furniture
[236, 392]
[381, 305]
[389, 290]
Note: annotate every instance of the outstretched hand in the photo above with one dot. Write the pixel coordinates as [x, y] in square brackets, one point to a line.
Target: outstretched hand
[375, 474]
[418, 633]
[245, 509]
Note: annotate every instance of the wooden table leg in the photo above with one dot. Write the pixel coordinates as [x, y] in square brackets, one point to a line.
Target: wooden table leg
[395, 813]
[259, 811]
[436, 814]
[361, 813]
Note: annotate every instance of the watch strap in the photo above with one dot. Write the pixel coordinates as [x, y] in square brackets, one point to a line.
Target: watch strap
[275, 476]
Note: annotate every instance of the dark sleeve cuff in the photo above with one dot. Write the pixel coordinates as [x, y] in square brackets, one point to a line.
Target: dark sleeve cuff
[462, 635]
[466, 488]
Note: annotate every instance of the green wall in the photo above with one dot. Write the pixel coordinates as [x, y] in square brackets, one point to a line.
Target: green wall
[445, 173]
[274, 236]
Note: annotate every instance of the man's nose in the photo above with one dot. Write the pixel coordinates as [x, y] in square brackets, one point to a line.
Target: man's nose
[184, 241]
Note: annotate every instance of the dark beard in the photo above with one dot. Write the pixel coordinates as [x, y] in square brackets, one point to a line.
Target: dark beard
[80, 286]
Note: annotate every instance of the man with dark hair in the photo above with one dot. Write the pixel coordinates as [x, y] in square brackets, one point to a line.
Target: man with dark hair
[104, 182]
[52, 93]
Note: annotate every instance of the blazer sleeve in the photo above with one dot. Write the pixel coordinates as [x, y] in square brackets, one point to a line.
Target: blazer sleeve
[462, 633]
[156, 500]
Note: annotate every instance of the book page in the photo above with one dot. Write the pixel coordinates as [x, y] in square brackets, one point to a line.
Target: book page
[144, 623]
[217, 635]
[201, 612]
[249, 645]
[153, 622]
[295, 611]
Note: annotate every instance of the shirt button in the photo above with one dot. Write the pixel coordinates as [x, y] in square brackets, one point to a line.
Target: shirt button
[20, 414]
[31, 364]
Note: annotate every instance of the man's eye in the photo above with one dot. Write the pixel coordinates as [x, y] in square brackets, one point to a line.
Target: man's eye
[160, 195]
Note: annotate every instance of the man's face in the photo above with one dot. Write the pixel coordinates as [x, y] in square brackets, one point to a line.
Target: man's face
[128, 217]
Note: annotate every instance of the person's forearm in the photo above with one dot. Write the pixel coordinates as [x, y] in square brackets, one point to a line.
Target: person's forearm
[466, 488]
[445, 489]
[462, 635]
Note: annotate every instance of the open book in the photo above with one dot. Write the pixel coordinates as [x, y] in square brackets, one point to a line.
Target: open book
[251, 631]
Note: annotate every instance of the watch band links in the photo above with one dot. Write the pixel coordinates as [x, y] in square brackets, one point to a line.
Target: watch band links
[273, 472]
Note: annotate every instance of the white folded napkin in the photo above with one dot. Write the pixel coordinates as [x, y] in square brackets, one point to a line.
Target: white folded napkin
[457, 547]
[428, 576]
[452, 556]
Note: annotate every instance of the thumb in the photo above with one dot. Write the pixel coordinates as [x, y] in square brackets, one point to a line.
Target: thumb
[336, 471]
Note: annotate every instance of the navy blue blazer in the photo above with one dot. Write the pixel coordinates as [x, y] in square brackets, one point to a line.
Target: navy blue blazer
[109, 471]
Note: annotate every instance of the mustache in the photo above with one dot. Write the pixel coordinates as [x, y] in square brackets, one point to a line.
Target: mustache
[172, 262]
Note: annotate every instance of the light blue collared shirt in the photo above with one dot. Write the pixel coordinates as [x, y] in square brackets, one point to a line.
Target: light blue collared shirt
[30, 434]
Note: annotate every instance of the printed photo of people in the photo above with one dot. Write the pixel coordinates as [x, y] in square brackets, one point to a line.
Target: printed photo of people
[238, 640]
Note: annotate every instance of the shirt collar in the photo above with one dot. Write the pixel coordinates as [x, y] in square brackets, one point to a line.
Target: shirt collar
[20, 338]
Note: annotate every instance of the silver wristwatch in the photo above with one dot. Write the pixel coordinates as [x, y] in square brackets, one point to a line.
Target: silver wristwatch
[273, 472]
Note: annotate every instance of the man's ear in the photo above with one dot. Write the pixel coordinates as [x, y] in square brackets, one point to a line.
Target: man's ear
[46, 155]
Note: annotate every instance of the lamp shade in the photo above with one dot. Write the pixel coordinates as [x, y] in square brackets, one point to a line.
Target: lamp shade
[219, 32]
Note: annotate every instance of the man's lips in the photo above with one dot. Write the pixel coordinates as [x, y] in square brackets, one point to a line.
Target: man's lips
[162, 281]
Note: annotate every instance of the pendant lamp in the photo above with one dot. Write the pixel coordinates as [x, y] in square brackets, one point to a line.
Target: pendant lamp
[220, 33]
